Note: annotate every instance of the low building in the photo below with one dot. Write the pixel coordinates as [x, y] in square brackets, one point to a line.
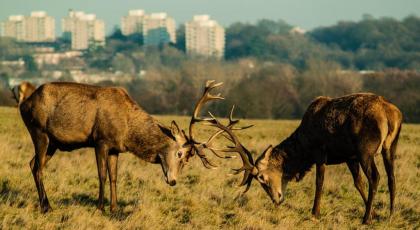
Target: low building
[55, 58]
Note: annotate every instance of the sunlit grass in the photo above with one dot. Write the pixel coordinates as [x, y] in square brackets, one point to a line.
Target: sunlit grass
[202, 198]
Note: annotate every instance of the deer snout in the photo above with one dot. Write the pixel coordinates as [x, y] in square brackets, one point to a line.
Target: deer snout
[172, 182]
[278, 200]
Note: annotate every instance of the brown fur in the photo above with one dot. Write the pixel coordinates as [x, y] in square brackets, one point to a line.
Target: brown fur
[68, 116]
[350, 129]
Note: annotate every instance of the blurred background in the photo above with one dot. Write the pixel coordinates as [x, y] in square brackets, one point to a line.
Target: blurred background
[274, 56]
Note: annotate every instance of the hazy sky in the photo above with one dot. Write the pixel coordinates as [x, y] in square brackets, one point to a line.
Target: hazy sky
[307, 14]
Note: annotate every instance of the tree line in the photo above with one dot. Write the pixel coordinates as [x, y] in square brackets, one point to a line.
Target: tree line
[275, 91]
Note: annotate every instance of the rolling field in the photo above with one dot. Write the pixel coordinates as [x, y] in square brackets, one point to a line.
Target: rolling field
[202, 198]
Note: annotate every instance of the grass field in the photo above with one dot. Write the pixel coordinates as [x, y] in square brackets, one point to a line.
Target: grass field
[202, 198]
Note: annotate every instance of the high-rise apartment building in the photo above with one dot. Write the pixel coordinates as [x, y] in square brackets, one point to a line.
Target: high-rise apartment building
[14, 27]
[38, 27]
[204, 37]
[67, 23]
[159, 28]
[133, 22]
[84, 29]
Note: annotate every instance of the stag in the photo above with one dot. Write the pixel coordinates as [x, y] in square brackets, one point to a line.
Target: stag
[69, 116]
[351, 129]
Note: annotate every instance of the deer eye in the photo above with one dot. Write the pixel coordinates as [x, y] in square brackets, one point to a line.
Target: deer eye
[179, 154]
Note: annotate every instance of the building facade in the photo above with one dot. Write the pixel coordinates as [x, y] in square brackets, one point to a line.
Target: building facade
[133, 22]
[204, 37]
[85, 30]
[38, 27]
[14, 27]
[159, 28]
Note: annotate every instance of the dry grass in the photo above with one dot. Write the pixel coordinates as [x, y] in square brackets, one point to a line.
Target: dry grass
[202, 199]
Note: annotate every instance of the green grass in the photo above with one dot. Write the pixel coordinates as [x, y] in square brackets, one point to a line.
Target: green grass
[202, 198]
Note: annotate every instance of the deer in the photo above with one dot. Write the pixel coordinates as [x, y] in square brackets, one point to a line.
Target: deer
[68, 116]
[351, 129]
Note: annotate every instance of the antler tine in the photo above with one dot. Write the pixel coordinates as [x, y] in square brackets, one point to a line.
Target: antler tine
[232, 121]
[208, 145]
[204, 160]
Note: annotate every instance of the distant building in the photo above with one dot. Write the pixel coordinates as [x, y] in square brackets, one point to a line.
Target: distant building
[133, 23]
[84, 30]
[204, 37]
[68, 23]
[159, 28]
[14, 27]
[297, 30]
[54, 58]
[38, 27]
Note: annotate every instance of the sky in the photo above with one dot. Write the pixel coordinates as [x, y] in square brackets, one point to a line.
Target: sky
[307, 14]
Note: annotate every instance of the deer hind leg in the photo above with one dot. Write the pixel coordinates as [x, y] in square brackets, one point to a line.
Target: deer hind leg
[43, 152]
[101, 152]
[388, 155]
[112, 172]
[371, 172]
[357, 177]
[389, 168]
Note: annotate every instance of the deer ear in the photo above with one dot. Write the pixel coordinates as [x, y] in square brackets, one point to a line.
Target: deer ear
[175, 129]
[267, 153]
[265, 156]
[15, 92]
[167, 131]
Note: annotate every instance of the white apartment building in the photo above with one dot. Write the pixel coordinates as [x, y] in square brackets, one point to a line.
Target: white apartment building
[85, 29]
[67, 23]
[14, 27]
[205, 37]
[133, 22]
[159, 28]
[38, 27]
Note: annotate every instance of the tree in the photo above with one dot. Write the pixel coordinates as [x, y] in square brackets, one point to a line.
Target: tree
[30, 64]
[123, 63]
[180, 38]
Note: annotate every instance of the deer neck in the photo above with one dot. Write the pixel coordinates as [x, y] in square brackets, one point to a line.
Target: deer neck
[296, 160]
[145, 138]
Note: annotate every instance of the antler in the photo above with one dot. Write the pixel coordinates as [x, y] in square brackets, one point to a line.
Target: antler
[248, 163]
[204, 99]
[199, 147]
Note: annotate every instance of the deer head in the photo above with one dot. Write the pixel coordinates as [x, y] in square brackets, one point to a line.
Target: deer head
[269, 174]
[176, 154]
[22, 91]
[267, 170]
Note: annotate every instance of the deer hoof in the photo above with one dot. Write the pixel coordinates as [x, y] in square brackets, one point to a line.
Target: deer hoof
[46, 208]
[366, 221]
